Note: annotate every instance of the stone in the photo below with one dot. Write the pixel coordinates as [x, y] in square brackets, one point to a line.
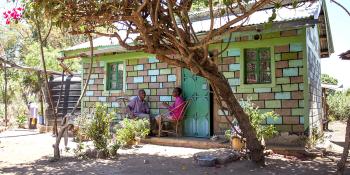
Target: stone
[244, 90]
[153, 72]
[171, 78]
[290, 120]
[298, 111]
[233, 52]
[216, 157]
[289, 56]
[102, 99]
[290, 87]
[165, 98]
[138, 79]
[266, 96]
[153, 60]
[296, 47]
[229, 74]
[271, 120]
[153, 78]
[91, 81]
[283, 80]
[273, 104]
[301, 120]
[290, 103]
[282, 48]
[89, 93]
[234, 67]
[289, 72]
[295, 63]
[138, 67]
[283, 95]
[281, 64]
[234, 81]
[259, 90]
[165, 71]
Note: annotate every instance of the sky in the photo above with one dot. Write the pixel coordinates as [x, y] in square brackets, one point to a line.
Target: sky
[340, 27]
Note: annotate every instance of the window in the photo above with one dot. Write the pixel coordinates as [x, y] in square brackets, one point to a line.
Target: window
[115, 72]
[257, 66]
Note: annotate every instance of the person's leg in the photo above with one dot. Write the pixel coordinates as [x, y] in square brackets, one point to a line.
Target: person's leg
[143, 116]
[158, 119]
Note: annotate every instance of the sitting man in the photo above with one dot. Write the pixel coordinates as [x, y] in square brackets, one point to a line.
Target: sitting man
[138, 106]
[175, 110]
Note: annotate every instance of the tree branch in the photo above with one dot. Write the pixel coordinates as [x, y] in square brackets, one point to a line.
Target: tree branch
[340, 5]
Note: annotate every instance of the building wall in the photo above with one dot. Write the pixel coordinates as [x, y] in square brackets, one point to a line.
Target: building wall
[158, 80]
[314, 79]
[285, 95]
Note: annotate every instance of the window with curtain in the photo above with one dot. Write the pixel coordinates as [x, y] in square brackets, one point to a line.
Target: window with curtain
[257, 63]
[115, 74]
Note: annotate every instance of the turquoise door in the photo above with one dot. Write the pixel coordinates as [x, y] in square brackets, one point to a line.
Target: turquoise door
[196, 121]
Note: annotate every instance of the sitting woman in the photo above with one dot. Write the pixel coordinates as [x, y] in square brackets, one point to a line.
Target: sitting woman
[175, 110]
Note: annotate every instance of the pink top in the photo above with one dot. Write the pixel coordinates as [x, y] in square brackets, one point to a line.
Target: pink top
[177, 108]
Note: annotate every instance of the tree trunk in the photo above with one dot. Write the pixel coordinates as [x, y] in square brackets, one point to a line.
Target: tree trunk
[56, 146]
[5, 94]
[342, 162]
[220, 84]
[63, 129]
[41, 42]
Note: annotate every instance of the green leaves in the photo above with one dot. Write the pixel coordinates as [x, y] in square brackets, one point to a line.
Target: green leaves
[98, 128]
[339, 105]
[129, 129]
[257, 118]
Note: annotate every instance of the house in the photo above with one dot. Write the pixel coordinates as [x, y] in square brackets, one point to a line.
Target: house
[276, 65]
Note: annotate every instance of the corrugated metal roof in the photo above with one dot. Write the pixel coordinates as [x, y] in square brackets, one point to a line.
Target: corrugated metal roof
[345, 55]
[286, 13]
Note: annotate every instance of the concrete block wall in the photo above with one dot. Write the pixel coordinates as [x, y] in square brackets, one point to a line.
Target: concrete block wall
[285, 97]
[314, 80]
[157, 79]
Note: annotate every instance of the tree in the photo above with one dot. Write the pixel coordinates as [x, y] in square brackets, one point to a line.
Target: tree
[164, 28]
[327, 79]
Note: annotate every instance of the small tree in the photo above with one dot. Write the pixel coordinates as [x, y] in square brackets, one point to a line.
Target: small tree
[98, 128]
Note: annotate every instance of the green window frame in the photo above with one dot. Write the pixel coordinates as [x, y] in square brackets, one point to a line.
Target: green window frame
[115, 75]
[257, 66]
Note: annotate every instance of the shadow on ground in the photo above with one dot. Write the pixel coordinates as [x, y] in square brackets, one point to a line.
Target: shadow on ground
[157, 165]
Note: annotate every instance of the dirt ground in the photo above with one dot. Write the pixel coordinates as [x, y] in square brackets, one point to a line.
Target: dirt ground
[28, 152]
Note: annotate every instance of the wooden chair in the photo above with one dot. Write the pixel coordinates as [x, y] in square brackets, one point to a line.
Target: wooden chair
[123, 111]
[177, 123]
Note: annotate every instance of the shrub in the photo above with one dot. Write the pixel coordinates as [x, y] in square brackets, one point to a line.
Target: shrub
[21, 119]
[98, 128]
[129, 129]
[339, 105]
[257, 118]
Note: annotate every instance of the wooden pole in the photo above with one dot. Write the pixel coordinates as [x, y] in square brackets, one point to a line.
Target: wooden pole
[5, 94]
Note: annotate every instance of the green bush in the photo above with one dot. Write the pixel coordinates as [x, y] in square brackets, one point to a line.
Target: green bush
[129, 129]
[257, 118]
[339, 105]
[21, 119]
[98, 128]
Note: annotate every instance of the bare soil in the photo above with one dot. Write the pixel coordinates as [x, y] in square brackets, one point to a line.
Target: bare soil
[28, 152]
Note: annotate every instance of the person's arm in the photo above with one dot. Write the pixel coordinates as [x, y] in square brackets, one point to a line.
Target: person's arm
[173, 106]
[147, 108]
[131, 107]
